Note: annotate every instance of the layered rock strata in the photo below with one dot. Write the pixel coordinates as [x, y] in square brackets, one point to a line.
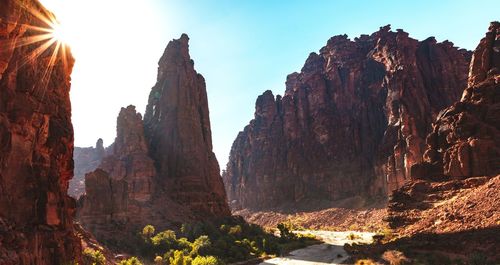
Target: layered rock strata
[352, 122]
[36, 140]
[453, 195]
[177, 127]
[465, 139]
[161, 170]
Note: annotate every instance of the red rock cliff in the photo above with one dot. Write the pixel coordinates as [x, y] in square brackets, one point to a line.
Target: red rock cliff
[465, 139]
[36, 141]
[352, 122]
[453, 198]
[121, 194]
[162, 170]
[177, 127]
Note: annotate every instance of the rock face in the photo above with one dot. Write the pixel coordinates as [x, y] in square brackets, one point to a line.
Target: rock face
[119, 191]
[86, 159]
[162, 170]
[36, 142]
[465, 139]
[454, 191]
[177, 128]
[352, 122]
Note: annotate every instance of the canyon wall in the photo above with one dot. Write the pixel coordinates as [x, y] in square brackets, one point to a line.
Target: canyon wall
[452, 201]
[465, 139]
[86, 159]
[36, 141]
[160, 170]
[352, 122]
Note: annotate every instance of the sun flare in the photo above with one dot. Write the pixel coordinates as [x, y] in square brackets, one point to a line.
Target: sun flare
[60, 33]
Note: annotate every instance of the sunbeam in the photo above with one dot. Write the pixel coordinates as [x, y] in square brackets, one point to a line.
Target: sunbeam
[38, 38]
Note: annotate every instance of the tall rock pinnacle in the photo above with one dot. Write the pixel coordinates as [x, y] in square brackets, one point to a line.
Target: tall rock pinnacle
[162, 170]
[177, 127]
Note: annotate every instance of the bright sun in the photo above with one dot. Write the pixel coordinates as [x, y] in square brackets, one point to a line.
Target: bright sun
[116, 45]
[61, 33]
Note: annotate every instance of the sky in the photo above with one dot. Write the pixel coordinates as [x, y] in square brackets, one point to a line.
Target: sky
[242, 48]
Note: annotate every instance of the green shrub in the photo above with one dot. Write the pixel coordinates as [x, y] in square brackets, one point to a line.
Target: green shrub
[285, 232]
[200, 246]
[180, 258]
[227, 241]
[93, 257]
[131, 261]
[165, 239]
[206, 260]
[224, 228]
[148, 231]
[235, 230]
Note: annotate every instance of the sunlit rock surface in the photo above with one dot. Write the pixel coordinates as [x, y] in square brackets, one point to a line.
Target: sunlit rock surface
[36, 142]
[352, 122]
[453, 199]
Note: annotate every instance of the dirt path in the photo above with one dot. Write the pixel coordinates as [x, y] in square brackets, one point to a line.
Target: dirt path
[330, 252]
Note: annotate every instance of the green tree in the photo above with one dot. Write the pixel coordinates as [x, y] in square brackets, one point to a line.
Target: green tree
[130, 261]
[235, 230]
[179, 258]
[93, 257]
[200, 245]
[148, 231]
[207, 260]
[165, 239]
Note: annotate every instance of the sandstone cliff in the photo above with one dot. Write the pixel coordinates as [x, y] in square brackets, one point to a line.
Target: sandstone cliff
[36, 141]
[162, 170]
[465, 140]
[86, 159]
[177, 127]
[453, 199]
[119, 193]
[352, 122]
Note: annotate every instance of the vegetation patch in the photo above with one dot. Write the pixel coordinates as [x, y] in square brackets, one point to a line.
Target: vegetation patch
[219, 242]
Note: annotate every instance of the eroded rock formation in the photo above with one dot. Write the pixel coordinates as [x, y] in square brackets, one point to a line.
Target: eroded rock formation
[36, 142]
[86, 159]
[453, 198]
[119, 192]
[177, 127]
[465, 139]
[162, 170]
[352, 122]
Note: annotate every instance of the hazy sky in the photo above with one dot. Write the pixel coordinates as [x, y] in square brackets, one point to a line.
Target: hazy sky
[242, 48]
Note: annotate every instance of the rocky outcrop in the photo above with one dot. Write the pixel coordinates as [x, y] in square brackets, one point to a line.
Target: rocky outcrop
[87, 159]
[119, 192]
[453, 195]
[162, 170]
[36, 141]
[465, 139]
[352, 122]
[177, 127]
